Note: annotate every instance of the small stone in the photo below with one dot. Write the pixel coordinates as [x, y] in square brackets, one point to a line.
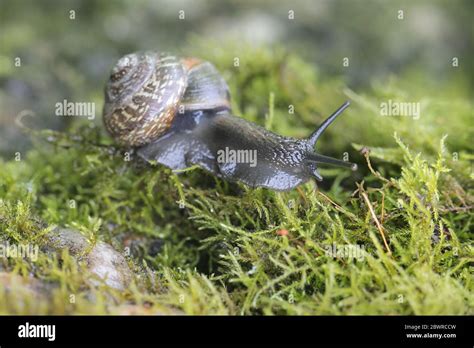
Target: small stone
[102, 260]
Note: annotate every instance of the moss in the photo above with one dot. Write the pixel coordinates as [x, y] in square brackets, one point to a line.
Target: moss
[206, 246]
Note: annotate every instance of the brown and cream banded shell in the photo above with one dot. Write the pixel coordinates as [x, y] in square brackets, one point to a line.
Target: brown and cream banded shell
[142, 96]
[146, 90]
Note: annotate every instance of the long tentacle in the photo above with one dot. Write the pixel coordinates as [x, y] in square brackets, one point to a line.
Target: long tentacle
[317, 133]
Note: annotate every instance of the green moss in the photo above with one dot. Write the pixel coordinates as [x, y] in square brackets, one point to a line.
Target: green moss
[221, 246]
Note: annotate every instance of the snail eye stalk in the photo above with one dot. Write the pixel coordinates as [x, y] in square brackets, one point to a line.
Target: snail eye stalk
[313, 138]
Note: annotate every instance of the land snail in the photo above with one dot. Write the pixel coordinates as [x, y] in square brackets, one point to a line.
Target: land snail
[176, 112]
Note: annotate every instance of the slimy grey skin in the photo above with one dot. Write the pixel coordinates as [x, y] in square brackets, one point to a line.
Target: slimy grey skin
[176, 112]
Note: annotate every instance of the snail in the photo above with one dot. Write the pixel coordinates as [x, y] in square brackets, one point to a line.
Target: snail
[176, 112]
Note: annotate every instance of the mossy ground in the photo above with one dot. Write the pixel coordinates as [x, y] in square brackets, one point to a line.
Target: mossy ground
[206, 246]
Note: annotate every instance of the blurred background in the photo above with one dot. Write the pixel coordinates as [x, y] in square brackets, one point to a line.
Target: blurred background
[56, 50]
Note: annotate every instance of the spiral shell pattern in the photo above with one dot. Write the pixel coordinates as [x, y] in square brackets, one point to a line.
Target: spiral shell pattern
[142, 97]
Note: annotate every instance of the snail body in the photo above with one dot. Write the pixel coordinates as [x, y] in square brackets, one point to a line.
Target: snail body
[176, 111]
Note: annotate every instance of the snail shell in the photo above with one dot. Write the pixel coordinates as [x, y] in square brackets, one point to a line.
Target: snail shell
[146, 91]
[176, 111]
